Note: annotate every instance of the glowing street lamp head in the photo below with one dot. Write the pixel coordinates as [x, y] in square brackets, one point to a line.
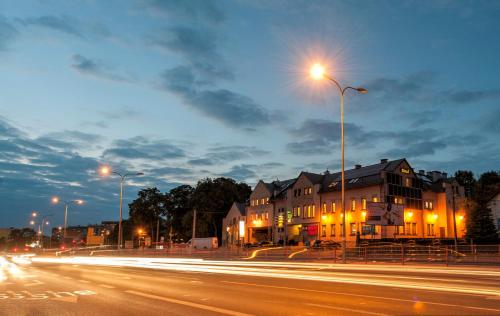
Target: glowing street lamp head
[34, 214]
[32, 222]
[79, 202]
[105, 170]
[317, 71]
[55, 200]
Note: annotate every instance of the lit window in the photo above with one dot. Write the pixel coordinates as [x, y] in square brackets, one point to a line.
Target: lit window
[353, 205]
[256, 202]
[375, 198]
[313, 210]
[353, 229]
[323, 209]
[251, 202]
[323, 230]
[333, 207]
[332, 229]
[363, 204]
[298, 211]
[262, 201]
[267, 200]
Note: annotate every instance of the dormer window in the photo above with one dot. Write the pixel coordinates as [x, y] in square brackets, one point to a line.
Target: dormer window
[333, 184]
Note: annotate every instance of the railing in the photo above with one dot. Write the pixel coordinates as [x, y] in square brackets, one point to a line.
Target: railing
[386, 253]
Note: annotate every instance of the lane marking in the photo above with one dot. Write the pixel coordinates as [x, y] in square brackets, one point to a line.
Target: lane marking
[68, 278]
[362, 295]
[107, 286]
[190, 304]
[345, 309]
[84, 281]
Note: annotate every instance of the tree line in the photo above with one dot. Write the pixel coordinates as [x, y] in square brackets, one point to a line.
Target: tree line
[480, 225]
[170, 214]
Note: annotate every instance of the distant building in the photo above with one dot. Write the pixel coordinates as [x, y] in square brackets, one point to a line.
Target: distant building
[5, 232]
[98, 234]
[231, 224]
[74, 234]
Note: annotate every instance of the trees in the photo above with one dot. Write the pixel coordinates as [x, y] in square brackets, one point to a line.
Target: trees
[466, 179]
[20, 237]
[147, 210]
[178, 204]
[212, 199]
[480, 225]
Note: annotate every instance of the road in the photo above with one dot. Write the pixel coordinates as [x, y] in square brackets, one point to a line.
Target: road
[134, 286]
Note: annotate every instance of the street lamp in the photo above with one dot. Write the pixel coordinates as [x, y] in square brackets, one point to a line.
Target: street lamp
[106, 171]
[56, 200]
[318, 72]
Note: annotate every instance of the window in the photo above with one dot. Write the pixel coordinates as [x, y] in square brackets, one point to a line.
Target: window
[398, 200]
[375, 199]
[294, 192]
[430, 229]
[428, 205]
[407, 182]
[333, 207]
[342, 230]
[298, 192]
[298, 211]
[308, 191]
[267, 200]
[267, 215]
[353, 180]
[363, 204]
[332, 229]
[256, 202]
[353, 229]
[353, 205]
[323, 209]
[313, 210]
[333, 184]
[252, 202]
[323, 230]
[262, 201]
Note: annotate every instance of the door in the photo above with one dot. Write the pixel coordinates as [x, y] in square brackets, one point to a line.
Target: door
[442, 232]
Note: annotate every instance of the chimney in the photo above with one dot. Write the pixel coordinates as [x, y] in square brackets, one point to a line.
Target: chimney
[327, 172]
[357, 166]
[445, 175]
[384, 160]
[421, 172]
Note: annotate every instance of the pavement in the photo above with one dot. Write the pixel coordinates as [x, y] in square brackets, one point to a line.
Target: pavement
[162, 286]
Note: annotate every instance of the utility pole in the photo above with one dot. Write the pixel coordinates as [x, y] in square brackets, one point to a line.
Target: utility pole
[454, 217]
[194, 228]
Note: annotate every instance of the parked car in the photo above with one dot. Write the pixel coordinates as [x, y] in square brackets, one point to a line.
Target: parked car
[325, 244]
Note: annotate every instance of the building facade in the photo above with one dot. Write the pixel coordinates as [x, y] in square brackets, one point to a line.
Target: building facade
[232, 222]
[494, 205]
[309, 208]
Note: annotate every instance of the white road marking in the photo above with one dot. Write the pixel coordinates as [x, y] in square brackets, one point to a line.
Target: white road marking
[362, 295]
[84, 281]
[190, 304]
[350, 310]
[68, 278]
[107, 286]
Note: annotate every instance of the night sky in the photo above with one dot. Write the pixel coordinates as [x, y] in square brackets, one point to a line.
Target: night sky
[183, 90]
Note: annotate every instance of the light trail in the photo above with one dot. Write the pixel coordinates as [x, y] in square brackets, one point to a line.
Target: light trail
[296, 253]
[236, 268]
[255, 252]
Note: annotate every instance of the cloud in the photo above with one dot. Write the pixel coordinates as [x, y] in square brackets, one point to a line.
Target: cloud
[470, 96]
[231, 108]
[225, 153]
[241, 172]
[97, 69]
[31, 171]
[63, 23]
[69, 140]
[198, 47]
[198, 10]
[143, 148]
[7, 33]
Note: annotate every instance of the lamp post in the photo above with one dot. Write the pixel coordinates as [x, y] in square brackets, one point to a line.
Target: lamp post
[56, 200]
[105, 171]
[318, 72]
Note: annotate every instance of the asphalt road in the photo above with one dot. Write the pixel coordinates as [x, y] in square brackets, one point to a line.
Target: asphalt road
[244, 288]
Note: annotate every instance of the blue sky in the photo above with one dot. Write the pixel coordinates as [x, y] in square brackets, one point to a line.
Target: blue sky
[183, 90]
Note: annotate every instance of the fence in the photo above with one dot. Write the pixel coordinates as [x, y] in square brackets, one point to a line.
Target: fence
[389, 253]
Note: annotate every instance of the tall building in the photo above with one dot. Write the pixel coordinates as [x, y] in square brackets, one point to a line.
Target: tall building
[308, 207]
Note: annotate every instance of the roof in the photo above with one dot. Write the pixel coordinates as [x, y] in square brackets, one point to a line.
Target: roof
[241, 208]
